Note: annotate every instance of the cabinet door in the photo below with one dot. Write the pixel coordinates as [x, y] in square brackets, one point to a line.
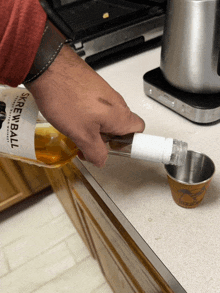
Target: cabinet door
[13, 187]
[117, 280]
[59, 182]
[18, 181]
[34, 176]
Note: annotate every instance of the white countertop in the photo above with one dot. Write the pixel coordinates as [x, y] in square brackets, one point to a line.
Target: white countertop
[187, 241]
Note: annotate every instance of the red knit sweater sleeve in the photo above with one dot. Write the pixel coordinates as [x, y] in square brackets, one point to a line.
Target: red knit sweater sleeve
[22, 23]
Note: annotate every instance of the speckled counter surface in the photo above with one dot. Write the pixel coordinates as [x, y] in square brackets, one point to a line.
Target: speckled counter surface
[187, 241]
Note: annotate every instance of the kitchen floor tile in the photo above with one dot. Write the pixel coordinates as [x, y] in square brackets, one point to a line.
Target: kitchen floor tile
[40, 251]
[38, 241]
[53, 205]
[23, 223]
[77, 247]
[104, 288]
[4, 268]
[84, 277]
[38, 271]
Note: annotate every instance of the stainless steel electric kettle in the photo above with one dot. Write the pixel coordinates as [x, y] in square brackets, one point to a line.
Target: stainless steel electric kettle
[191, 44]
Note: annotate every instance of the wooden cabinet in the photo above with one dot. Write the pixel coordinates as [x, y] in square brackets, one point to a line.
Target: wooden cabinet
[111, 270]
[123, 264]
[59, 181]
[19, 180]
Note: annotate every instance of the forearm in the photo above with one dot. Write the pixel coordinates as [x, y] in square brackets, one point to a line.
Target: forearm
[21, 27]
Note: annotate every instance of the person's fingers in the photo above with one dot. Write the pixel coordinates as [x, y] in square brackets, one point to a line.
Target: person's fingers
[122, 121]
[133, 123]
[93, 149]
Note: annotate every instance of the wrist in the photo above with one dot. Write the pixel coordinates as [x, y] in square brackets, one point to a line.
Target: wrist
[51, 43]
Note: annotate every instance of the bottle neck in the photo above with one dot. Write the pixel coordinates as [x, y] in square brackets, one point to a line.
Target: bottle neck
[147, 147]
[119, 145]
[179, 153]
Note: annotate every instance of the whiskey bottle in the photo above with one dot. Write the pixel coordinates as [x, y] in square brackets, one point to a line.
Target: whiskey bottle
[26, 136]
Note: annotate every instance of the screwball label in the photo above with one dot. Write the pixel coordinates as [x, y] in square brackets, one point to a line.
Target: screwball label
[18, 121]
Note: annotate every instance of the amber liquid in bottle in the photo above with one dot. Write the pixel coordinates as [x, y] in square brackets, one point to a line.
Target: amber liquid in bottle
[52, 148]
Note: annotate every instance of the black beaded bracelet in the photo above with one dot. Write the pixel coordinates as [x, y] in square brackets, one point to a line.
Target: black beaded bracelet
[51, 43]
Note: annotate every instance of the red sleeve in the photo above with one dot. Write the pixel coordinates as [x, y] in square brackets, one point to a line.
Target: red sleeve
[22, 23]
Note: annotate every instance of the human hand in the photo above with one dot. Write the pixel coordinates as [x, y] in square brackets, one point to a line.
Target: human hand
[81, 105]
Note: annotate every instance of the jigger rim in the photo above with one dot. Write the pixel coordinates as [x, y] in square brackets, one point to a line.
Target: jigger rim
[192, 153]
